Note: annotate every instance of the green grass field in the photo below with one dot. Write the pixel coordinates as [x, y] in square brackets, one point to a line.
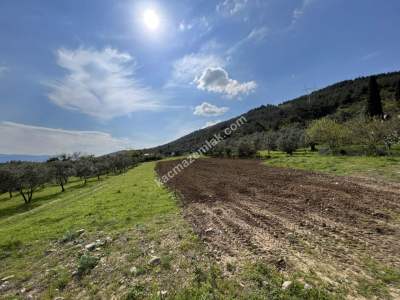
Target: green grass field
[42, 251]
[378, 167]
[46, 257]
[113, 204]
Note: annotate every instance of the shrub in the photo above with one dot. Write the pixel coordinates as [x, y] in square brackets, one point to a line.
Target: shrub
[329, 132]
[290, 139]
[86, 263]
[246, 150]
[374, 132]
[136, 293]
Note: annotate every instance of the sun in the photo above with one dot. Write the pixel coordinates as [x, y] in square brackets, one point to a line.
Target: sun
[151, 19]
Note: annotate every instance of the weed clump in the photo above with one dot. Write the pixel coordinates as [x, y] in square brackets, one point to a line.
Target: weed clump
[86, 264]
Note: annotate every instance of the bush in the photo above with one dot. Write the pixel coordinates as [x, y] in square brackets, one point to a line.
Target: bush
[373, 133]
[290, 139]
[86, 264]
[329, 132]
[136, 293]
[246, 150]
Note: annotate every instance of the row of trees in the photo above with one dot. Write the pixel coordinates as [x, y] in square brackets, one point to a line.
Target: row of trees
[27, 177]
[287, 139]
[368, 135]
[374, 135]
[374, 131]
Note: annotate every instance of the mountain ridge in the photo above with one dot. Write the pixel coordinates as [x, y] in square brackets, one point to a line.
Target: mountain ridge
[343, 100]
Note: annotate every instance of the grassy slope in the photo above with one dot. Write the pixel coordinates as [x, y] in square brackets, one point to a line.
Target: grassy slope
[143, 220]
[115, 203]
[385, 167]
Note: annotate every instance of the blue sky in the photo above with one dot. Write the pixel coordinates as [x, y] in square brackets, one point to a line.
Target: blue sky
[98, 75]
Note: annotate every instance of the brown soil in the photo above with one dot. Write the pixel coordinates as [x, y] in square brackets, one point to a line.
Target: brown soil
[297, 219]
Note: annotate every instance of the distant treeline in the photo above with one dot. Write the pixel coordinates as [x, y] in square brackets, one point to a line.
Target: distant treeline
[27, 177]
[372, 132]
[342, 102]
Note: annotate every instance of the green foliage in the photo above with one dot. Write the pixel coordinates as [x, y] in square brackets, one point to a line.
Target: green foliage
[373, 133]
[345, 100]
[60, 171]
[384, 167]
[290, 139]
[69, 236]
[374, 103]
[270, 140]
[29, 177]
[208, 285]
[10, 247]
[138, 292]
[246, 150]
[59, 278]
[397, 93]
[86, 264]
[166, 261]
[327, 131]
[8, 179]
[380, 279]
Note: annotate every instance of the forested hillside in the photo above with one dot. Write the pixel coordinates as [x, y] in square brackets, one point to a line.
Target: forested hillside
[342, 101]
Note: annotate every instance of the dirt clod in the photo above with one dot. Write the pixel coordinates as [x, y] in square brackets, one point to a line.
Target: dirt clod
[315, 221]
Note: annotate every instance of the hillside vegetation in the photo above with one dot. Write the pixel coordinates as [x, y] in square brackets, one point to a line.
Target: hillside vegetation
[342, 101]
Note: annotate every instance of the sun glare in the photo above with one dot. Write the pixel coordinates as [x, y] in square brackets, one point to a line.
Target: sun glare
[151, 19]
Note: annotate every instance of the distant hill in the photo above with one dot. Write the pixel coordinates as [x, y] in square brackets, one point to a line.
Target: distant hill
[34, 158]
[343, 100]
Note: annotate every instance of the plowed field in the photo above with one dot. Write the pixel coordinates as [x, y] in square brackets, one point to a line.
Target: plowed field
[333, 226]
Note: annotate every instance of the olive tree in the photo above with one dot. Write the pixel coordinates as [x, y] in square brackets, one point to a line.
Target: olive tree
[60, 171]
[85, 168]
[290, 139]
[7, 179]
[327, 131]
[102, 167]
[374, 132]
[29, 177]
[270, 140]
[246, 150]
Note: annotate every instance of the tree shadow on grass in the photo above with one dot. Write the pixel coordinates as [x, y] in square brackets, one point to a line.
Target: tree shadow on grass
[39, 200]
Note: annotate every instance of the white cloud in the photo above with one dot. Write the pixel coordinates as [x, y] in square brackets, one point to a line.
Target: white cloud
[209, 110]
[371, 55]
[20, 139]
[299, 12]
[231, 7]
[100, 84]
[201, 25]
[217, 80]
[257, 35]
[183, 26]
[186, 69]
[211, 123]
[3, 69]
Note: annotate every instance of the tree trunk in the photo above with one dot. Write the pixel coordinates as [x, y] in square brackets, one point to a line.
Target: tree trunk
[23, 196]
[10, 192]
[62, 187]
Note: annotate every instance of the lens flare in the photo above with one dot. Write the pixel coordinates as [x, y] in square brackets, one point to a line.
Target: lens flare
[151, 19]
